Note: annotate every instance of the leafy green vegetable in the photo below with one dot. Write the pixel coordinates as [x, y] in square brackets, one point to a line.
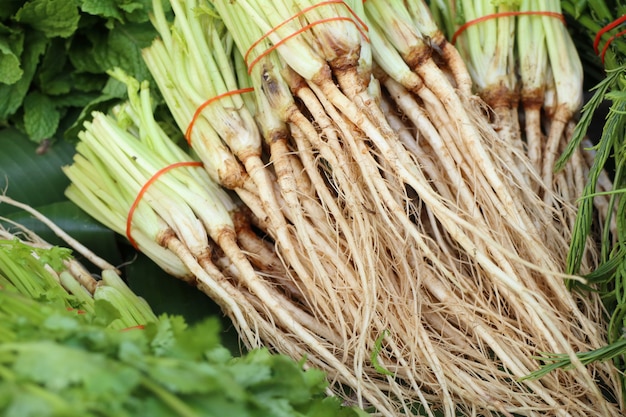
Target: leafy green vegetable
[54, 55]
[52, 17]
[55, 363]
[41, 117]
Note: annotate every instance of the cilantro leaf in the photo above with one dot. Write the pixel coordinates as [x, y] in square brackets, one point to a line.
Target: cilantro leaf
[27, 404]
[60, 364]
[47, 363]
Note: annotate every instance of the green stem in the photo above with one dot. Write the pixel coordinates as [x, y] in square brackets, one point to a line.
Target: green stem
[174, 403]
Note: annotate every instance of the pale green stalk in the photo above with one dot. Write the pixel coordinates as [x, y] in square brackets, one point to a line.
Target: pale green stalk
[128, 314]
[94, 189]
[366, 53]
[533, 71]
[139, 110]
[136, 306]
[134, 166]
[488, 46]
[209, 148]
[68, 281]
[207, 201]
[339, 42]
[227, 116]
[397, 25]
[568, 78]
[265, 15]
[426, 24]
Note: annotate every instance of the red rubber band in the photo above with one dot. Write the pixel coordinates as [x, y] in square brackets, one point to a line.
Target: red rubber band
[505, 14]
[133, 207]
[275, 28]
[207, 103]
[610, 26]
[138, 327]
[299, 31]
[361, 26]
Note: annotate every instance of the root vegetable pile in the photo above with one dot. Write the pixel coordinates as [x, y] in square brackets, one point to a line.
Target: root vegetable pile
[355, 206]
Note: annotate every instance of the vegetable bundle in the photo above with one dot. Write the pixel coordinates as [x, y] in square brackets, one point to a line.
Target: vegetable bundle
[599, 25]
[374, 221]
[51, 275]
[71, 345]
[520, 54]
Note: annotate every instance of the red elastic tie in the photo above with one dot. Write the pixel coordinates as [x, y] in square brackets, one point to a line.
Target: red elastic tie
[610, 26]
[207, 103]
[505, 14]
[362, 29]
[138, 327]
[133, 207]
[299, 31]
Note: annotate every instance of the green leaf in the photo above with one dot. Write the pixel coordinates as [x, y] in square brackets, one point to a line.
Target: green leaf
[198, 341]
[46, 363]
[13, 95]
[53, 75]
[103, 8]
[120, 10]
[28, 404]
[187, 377]
[112, 93]
[10, 49]
[137, 11]
[41, 117]
[122, 48]
[52, 17]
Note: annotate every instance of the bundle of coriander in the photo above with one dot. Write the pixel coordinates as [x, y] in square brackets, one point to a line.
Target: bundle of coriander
[70, 346]
[599, 27]
[396, 241]
[525, 66]
[51, 274]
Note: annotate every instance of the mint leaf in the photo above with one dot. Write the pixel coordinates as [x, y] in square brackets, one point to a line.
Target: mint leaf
[53, 75]
[41, 117]
[52, 17]
[103, 8]
[135, 11]
[10, 49]
[122, 48]
[13, 95]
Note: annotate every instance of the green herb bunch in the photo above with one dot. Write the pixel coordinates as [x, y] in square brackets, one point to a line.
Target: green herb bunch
[54, 55]
[587, 20]
[53, 362]
[71, 345]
